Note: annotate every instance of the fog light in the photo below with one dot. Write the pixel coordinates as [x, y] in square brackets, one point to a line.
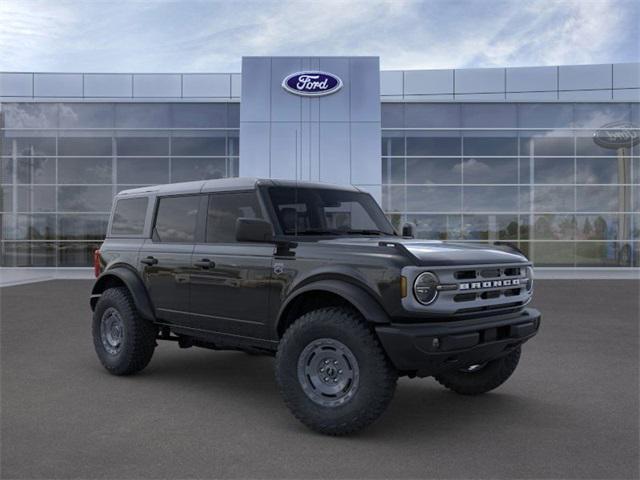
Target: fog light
[435, 343]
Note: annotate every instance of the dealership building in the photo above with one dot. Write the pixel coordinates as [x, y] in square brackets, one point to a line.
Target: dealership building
[546, 158]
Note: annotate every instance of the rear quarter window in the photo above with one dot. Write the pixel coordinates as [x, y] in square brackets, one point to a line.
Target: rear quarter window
[129, 216]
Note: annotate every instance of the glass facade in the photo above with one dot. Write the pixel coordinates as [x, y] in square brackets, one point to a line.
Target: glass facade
[62, 163]
[526, 173]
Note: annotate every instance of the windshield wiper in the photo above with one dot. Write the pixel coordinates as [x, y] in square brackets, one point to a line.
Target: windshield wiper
[367, 232]
[319, 232]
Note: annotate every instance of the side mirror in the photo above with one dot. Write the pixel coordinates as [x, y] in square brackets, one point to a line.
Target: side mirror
[409, 230]
[253, 230]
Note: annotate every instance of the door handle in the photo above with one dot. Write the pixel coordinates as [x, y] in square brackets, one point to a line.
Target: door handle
[149, 261]
[204, 263]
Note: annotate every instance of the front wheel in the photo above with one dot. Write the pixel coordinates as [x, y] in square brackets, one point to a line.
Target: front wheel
[332, 372]
[477, 379]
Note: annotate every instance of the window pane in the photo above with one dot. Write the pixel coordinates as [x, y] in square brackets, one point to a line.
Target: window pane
[37, 170]
[434, 170]
[393, 199]
[6, 199]
[393, 144]
[490, 199]
[84, 146]
[545, 115]
[199, 115]
[553, 199]
[432, 146]
[233, 115]
[142, 146]
[186, 169]
[29, 227]
[82, 227]
[546, 146]
[490, 146]
[142, 115]
[553, 170]
[136, 171]
[224, 210]
[72, 254]
[603, 254]
[490, 227]
[79, 115]
[553, 254]
[597, 115]
[176, 219]
[37, 199]
[433, 199]
[129, 215]
[29, 146]
[30, 115]
[603, 227]
[554, 227]
[24, 254]
[393, 170]
[84, 170]
[489, 115]
[598, 199]
[427, 115]
[437, 227]
[84, 199]
[6, 170]
[603, 170]
[587, 147]
[490, 170]
[198, 146]
[392, 115]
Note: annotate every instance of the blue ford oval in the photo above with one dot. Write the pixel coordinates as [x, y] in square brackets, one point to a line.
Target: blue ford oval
[312, 83]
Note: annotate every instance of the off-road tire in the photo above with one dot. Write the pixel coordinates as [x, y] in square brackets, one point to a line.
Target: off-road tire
[490, 376]
[138, 339]
[377, 377]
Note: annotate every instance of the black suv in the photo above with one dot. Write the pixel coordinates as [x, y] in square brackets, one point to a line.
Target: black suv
[315, 275]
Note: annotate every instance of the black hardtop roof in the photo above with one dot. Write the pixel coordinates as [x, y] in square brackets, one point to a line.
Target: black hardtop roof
[225, 185]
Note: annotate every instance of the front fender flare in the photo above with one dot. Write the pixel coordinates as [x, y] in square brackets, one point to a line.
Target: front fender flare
[363, 301]
[133, 282]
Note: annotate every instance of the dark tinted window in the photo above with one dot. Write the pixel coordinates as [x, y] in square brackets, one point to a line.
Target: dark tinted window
[224, 210]
[176, 219]
[128, 218]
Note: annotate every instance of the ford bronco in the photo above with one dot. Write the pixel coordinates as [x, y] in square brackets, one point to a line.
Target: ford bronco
[316, 276]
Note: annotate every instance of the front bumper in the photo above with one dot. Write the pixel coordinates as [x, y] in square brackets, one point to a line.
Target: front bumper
[430, 348]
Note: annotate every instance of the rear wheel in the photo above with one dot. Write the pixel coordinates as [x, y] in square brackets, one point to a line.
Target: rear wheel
[123, 340]
[481, 378]
[332, 372]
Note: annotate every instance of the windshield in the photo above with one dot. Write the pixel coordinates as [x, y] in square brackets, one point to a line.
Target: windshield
[319, 211]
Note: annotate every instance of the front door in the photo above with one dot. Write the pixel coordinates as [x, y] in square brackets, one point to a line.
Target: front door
[166, 257]
[230, 282]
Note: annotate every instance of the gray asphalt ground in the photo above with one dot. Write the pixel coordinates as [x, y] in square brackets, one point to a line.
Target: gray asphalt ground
[569, 411]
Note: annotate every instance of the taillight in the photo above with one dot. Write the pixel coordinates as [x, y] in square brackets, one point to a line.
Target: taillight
[97, 268]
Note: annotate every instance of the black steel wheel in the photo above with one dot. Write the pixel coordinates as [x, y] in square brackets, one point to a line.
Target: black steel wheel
[332, 372]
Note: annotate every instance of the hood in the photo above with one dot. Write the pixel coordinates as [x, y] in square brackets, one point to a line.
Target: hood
[437, 253]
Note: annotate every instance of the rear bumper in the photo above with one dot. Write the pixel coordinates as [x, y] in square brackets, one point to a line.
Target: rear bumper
[431, 348]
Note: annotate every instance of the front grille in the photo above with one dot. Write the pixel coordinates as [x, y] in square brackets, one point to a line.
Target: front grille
[477, 290]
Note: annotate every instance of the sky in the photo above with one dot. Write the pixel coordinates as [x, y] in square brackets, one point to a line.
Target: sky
[212, 36]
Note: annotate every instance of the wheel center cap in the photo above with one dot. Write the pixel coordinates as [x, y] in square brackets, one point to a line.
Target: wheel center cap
[331, 371]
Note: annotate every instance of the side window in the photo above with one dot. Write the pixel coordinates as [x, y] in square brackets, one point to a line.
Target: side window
[129, 215]
[176, 219]
[224, 210]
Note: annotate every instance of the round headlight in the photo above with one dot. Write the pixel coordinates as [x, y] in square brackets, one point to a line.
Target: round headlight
[529, 279]
[425, 288]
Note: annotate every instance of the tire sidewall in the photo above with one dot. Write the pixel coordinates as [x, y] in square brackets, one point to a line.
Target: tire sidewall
[370, 374]
[110, 299]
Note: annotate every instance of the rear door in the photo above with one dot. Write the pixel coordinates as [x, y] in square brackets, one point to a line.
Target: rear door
[166, 257]
[230, 287]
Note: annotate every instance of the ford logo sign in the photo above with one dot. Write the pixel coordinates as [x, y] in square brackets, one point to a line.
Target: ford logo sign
[617, 135]
[312, 83]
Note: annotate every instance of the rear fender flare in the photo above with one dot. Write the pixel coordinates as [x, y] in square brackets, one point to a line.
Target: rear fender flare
[133, 282]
